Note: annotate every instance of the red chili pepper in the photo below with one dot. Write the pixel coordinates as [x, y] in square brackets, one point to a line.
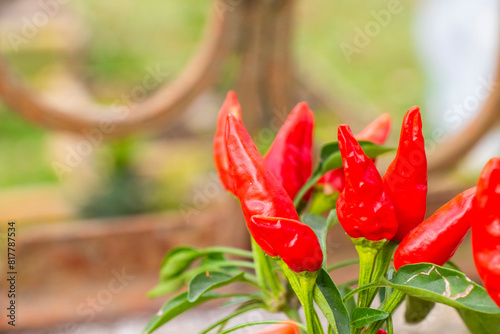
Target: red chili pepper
[230, 106]
[283, 328]
[437, 238]
[290, 155]
[263, 199]
[486, 228]
[406, 178]
[363, 207]
[376, 132]
[293, 241]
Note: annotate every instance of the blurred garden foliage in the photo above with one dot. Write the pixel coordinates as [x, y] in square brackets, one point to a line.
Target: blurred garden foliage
[124, 38]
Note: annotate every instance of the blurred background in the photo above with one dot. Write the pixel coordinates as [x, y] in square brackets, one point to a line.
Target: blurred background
[107, 113]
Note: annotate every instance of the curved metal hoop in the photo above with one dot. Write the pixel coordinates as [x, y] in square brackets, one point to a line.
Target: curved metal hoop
[157, 110]
[202, 71]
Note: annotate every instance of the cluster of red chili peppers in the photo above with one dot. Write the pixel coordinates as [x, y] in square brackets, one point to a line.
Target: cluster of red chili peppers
[373, 210]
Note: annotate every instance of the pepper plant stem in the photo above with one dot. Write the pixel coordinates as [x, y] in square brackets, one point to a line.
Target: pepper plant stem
[367, 258]
[342, 264]
[303, 284]
[266, 276]
[389, 305]
[367, 251]
[259, 258]
[228, 250]
[382, 263]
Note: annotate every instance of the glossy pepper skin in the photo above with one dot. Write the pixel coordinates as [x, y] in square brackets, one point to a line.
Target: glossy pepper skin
[363, 207]
[406, 178]
[230, 106]
[290, 155]
[283, 328]
[437, 238]
[376, 132]
[263, 199]
[291, 240]
[486, 228]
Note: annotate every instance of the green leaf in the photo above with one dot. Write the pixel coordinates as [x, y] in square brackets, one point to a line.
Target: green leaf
[166, 287]
[213, 258]
[328, 150]
[329, 300]
[417, 309]
[204, 282]
[363, 316]
[173, 284]
[373, 150]
[178, 260]
[332, 159]
[350, 305]
[480, 323]
[442, 285]
[319, 225]
[175, 307]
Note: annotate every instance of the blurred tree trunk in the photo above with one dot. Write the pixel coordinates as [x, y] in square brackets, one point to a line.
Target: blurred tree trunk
[265, 79]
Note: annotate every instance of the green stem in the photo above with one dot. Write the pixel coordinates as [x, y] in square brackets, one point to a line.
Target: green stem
[358, 290]
[303, 284]
[367, 251]
[232, 315]
[342, 264]
[390, 326]
[267, 278]
[389, 305]
[243, 264]
[366, 264]
[309, 184]
[317, 321]
[228, 250]
[310, 314]
[272, 276]
[348, 283]
[265, 292]
[210, 267]
[259, 259]
[254, 323]
[382, 263]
